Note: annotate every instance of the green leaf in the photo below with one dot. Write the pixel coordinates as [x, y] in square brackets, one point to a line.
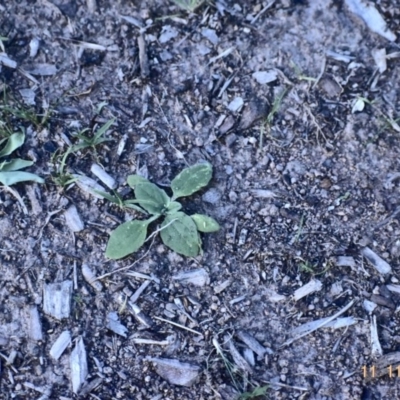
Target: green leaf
[179, 233]
[205, 223]
[191, 180]
[173, 207]
[134, 180]
[126, 239]
[257, 392]
[15, 164]
[153, 199]
[109, 197]
[11, 177]
[13, 142]
[102, 131]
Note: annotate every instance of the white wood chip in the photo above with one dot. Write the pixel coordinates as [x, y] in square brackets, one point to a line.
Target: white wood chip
[378, 263]
[197, 277]
[370, 15]
[369, 306]
[263, 77]
[78, 365]
[43, 69]
[57, 299]
[252, 343]
[90, 278]
[345, 261]
[34, 47]
[134, 298]
[6, 61]
[313, 286]
[107, 179]
[322, 324]
[394, 288]
[379, 56]
[263, 193]
[236, 104]
[335, 324]
[121, 144]
[73, 219]
[34, 324]
[222, 286]
[89, 185]
[62, 342]
[114, 325]
[176, 372]
[376, 349]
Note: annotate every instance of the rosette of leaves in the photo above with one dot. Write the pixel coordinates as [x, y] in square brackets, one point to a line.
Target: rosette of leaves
[10, 170]
[178, 231]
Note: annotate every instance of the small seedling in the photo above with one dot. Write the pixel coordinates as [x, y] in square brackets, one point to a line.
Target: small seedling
[189, 5]
[10, 170]
[179, 231]
[259, 391]
[268, 120]
[62, 178]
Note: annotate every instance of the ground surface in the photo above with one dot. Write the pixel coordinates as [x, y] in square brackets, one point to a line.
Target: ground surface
[299, 193]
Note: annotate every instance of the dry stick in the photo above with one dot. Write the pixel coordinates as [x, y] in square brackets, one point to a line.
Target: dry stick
[287, 386]
[18, 197]
[343, 310]
[127, 267]
[321, 73]
[269, 5]
[179, 325]
[46, 222]
[169, 130]
[314, 121]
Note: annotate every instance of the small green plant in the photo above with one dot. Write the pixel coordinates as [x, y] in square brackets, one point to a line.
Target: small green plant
[258, 392]
[188, 5]
[10, 169]
[179, 231]
[62, 178]
[269, 119]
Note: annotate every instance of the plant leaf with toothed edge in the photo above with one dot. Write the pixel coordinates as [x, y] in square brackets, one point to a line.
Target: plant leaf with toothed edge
[191, 179]
[126, 239]
[150, 197]
[179, 233]
[205, 223]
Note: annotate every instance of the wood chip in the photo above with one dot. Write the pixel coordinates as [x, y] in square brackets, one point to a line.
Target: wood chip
[198, 277]
[143, 59]
[176, 372]
[73, 219]
[78, 365]
[251, 342]
[378, 263]
[107, 179]
[62, 342]
[34, 324]
[113, 324]
[57, 299]
[313, 286]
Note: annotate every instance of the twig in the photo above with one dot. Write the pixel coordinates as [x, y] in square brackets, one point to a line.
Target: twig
[178, 325]
[269, 5]
[127, 267]
[287, 386]
[18, 197]
[340, 312]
